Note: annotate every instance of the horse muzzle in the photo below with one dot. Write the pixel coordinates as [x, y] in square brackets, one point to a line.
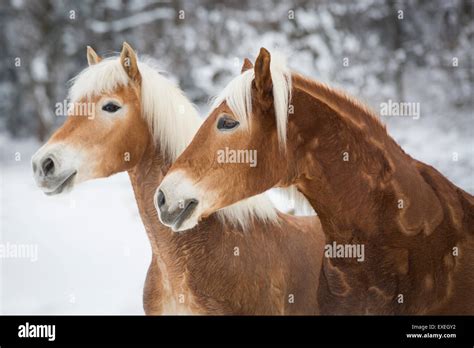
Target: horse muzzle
[174, 215]
[50, 176]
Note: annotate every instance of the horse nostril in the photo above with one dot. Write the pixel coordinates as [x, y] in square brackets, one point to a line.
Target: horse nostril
[161, 199]
[192, 202]
[47, 166]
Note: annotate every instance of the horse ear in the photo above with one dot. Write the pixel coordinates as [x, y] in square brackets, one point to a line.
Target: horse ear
[92, 56]
[246, 66]
[129, 61]
[263, 76]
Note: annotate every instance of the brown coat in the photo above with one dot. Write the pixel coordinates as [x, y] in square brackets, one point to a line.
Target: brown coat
[276, 270]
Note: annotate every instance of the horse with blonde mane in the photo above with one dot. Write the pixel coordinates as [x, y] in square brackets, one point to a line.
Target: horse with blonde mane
[245, 259]
[415, 227]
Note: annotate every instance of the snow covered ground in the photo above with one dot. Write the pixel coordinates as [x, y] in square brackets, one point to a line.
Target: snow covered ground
[93, 252]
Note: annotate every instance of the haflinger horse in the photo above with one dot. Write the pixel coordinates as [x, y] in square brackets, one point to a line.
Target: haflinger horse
[245, 259]
[414, 227]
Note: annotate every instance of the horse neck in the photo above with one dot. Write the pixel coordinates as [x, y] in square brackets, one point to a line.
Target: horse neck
[145, 176]
[170, 249]
[346, 162]
[368, 192]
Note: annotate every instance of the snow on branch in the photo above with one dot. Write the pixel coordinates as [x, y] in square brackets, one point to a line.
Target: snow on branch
[132, 21]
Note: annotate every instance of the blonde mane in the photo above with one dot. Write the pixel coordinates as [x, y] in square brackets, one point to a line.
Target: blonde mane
[238, 95]
[172, 118]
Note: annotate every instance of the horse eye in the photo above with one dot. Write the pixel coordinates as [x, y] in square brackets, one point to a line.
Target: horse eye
[226, 123]
[110, 107]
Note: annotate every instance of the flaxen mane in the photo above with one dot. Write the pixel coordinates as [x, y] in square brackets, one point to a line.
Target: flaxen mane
[238, 96]
[172, 119]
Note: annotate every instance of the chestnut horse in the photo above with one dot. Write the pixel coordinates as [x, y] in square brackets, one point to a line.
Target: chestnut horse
[414, 227]
[245, 259]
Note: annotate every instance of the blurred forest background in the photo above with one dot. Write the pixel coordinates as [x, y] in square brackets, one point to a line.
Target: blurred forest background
[93, 250]
[199, 41]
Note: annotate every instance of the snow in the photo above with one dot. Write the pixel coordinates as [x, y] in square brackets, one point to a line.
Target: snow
[39, 69]
[93, 252]
[132, 21]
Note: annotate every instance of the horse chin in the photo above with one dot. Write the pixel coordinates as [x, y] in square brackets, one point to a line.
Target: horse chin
[186, 225]
[65, 187]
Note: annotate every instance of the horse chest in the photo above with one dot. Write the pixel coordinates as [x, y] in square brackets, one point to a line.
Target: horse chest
[178, 300]
[174, 295]
[171, 306]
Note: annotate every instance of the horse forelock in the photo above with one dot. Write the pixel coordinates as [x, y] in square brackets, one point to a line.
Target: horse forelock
[238, 95]
[171, 117]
